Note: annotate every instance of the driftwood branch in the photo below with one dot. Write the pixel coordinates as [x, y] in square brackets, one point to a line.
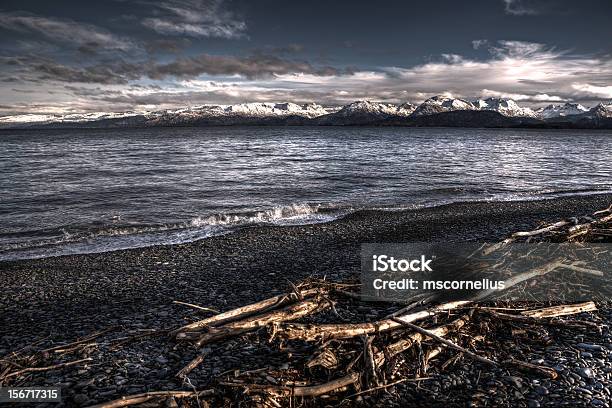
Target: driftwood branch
[336, 385]
[48, 368]
[289, 313]
[562, 310]
[244, 311]
[310, 332]
[148, 396]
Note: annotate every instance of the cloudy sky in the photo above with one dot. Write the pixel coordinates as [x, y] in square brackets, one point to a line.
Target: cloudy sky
[77, 56]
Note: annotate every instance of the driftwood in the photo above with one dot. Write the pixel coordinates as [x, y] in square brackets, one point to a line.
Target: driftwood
[288, 313]
[446, 343]
[198, 307]
[404, 344]
[192, 364]
[383, 358]
[247, 310]
[562, 310]
[148, 396]
[523, 365]
[71, 346]
[310, 332]
[336, 385]
[47, 368]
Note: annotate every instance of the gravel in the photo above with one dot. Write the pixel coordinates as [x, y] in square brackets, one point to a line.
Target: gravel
[57, 300]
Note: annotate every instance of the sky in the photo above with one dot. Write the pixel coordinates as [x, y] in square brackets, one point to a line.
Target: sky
[61, 57]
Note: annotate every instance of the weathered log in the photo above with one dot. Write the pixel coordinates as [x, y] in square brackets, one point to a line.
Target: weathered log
[311, 332]
[539, 231]
[142, 398]
[339, 384]
[562, 310]
[288, 313]
[247, 310]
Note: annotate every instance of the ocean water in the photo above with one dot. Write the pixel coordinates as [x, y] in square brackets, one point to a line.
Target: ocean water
[74, 191]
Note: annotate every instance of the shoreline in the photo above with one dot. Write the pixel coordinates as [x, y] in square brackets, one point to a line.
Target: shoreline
[336, 214]
[60, 299]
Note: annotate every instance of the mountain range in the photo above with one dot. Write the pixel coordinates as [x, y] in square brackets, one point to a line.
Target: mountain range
[436, 111]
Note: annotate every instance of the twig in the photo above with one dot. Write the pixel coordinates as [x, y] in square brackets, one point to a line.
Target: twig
[380, 387]
[192, 364]
[53, 367]
[207, 309]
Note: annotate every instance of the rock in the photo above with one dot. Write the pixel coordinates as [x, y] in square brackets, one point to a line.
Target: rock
[533, 403]
[161, 360]
[80, 399]
[585, 372]
[541, 390]
[592, 347]
[516, 381]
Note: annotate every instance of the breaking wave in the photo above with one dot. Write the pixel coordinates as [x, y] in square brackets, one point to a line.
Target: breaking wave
[66, 241]
[294, 214]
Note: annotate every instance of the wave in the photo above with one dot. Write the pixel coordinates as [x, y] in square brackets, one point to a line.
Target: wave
[67, 241]
[283, 215]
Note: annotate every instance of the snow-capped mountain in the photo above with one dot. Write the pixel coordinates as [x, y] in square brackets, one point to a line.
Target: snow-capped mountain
[182, 115]
[506, 107]
[375, 108]
[68, 118]
[310, 110]
[490, 112]
[441, 103]
[406, 109]
[558, 110]
[242, 110]
[602, 110]
[366, 112]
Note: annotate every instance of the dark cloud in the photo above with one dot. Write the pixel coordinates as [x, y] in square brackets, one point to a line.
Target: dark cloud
[63, 31]
[283, 51]
[118, 71]
[521, 7]
[167, 45]
[195, 18]
[34, 68]
[256, 66]
[23, 90]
